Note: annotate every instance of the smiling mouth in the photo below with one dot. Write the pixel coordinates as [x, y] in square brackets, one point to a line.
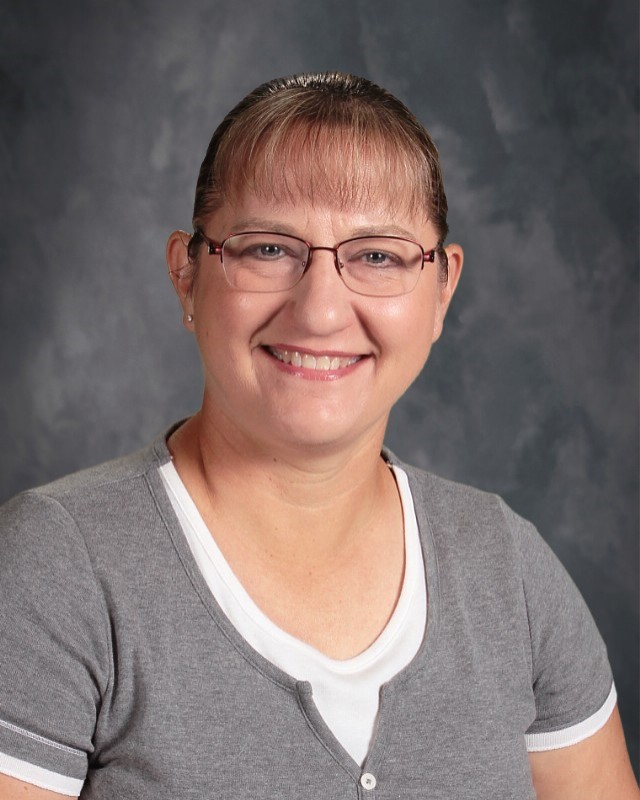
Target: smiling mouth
[321, 363]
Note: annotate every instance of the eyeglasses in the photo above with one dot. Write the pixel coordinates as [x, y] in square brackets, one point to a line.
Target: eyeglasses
[378, 266]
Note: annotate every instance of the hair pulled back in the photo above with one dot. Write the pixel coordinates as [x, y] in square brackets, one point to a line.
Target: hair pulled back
[328, 137]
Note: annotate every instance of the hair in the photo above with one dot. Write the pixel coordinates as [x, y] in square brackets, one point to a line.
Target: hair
[328, 137]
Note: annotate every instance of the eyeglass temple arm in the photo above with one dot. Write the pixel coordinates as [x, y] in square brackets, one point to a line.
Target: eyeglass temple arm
[430, 256]
[213, 248]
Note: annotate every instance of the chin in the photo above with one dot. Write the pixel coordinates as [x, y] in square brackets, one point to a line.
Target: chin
[319, 432]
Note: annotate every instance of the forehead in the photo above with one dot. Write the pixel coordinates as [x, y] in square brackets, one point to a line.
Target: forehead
[326, 223]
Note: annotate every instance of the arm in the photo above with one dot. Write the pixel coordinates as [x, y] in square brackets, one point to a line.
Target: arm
[597, 768]
[13, 789]
[54, 660]
[570, 676]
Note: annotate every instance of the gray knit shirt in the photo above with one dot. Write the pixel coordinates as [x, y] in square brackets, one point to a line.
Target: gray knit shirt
[118, 667]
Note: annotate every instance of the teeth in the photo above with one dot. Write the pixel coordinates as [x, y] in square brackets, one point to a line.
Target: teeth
[322, 363]
[308, 362]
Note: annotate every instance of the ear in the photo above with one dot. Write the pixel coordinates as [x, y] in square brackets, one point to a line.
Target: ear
[455, 258]
[181, 272]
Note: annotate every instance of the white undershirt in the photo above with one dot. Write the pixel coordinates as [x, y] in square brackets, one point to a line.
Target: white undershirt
[346, 693]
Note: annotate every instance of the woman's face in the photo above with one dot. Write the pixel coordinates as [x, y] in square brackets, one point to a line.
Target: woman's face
[381, 343]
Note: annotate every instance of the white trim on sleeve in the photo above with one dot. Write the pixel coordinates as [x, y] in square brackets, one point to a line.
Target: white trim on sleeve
[38, 776]
[554, 740]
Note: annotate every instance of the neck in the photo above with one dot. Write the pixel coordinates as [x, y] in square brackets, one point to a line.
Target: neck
[319, 497]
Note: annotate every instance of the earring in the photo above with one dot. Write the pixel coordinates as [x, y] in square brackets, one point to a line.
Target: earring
[189, 317]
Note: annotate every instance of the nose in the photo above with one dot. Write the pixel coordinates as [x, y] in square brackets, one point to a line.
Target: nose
[321, 301]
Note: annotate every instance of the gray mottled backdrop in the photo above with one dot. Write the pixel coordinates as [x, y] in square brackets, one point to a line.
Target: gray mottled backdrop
[107, 107]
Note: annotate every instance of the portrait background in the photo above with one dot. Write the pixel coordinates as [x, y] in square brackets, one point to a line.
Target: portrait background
[107, 108]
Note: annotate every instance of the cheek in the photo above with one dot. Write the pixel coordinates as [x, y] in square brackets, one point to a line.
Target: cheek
[409, 321]
[229, 328]
[228, 313]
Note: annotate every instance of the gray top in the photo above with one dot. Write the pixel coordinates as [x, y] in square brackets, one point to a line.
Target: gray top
[117, 664]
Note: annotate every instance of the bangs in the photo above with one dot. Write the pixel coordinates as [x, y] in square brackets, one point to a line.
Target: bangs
[345, 166]
[327, 139]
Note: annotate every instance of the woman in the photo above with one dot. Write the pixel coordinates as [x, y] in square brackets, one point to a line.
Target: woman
[265, 602]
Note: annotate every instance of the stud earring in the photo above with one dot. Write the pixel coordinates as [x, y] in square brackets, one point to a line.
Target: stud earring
[189, 317]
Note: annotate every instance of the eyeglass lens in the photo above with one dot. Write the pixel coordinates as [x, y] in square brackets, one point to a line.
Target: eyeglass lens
[268, 262]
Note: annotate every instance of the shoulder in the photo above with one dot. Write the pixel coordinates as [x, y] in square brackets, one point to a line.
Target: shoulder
[489, 557]
[456, 514]
[59, 516]
[120, 471]
[431, 489]
[478, 541]
[59, 544]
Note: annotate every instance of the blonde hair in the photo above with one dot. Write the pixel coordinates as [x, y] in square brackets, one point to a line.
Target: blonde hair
[328, 137]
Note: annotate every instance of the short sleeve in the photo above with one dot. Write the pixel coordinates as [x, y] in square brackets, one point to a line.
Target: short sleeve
[54, 657]
[571, 675]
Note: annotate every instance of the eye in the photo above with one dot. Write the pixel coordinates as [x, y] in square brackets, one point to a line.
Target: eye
[265, 251]
[258, 247]
[270, 251]
[378, 255]
[377, 258]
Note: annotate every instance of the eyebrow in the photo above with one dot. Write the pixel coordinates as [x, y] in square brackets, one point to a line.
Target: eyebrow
[384, 230]
[264, 224]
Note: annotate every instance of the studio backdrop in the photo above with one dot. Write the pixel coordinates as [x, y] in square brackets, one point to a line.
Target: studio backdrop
[107, 107]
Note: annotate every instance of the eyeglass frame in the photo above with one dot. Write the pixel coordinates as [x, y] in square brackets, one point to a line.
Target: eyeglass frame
[216, 248]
